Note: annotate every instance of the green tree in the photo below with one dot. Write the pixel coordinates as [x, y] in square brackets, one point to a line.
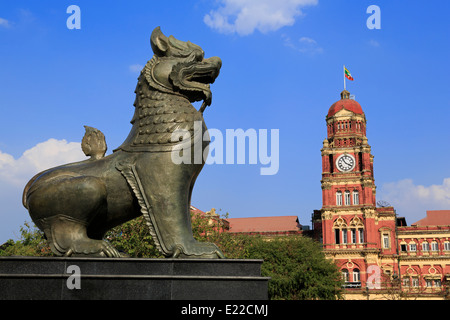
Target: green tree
[298, 268]
[31, 243]
[296, 264]
[134, 239]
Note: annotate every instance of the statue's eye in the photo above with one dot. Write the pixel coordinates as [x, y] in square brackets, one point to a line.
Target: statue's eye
[199, 55]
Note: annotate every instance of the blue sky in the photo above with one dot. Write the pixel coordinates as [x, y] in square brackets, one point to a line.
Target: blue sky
[282, 69]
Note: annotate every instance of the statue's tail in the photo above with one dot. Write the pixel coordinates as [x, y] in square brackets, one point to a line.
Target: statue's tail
[27, 187]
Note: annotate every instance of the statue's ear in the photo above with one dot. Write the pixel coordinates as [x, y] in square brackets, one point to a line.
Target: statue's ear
[159, 42]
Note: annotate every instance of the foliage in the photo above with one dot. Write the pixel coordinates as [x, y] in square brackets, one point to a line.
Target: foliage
[298, 268]
[134, 239]
[212, 229]
[296, 264]
[31, 243]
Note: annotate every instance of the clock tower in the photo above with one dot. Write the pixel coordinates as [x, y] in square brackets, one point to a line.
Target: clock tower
[347, 164]
[355, 233]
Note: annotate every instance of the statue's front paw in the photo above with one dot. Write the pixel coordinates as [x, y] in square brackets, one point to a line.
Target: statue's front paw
[202, 250]
[93, 248]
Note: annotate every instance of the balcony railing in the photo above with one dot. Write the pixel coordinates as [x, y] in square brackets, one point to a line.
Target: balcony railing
[352, 285]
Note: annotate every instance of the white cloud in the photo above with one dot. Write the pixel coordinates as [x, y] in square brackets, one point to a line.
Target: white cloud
[4, 23]
[304, 45]
[412, 201]
[135, 68]
[40, 157]
[245, 16]
[15, 173]
[374, 43]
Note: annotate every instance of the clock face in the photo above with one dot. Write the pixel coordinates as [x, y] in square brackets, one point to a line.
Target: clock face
[345, 163]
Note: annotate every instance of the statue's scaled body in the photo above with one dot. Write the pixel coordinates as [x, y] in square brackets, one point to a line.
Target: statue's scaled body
[75, 204]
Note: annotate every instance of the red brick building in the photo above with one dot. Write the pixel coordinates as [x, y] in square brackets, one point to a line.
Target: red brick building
[376, 252]
[424, 254]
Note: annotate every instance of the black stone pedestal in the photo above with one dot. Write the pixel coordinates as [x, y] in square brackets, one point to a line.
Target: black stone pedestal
[27, 278]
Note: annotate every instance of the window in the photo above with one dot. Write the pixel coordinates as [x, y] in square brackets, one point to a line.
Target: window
[361, 235]
[403, 247]
[355, 197]
[336, 236]
[388, 274]
[344, 235]
[415, 282]
[338, 226]
[339, 198]
[356, 276]
[425, 246]
[406, 282]
[429, 283]
[347, 198]
[386, 241]
[434, 246]
[330, 158]
[437, 283]
[412, 247]
[345, 275]
[447, 246]
[353, 232]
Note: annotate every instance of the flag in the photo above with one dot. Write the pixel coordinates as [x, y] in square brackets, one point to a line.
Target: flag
[348, 74]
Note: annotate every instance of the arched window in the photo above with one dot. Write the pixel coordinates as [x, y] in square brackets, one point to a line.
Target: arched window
[356, 275]
[386, 241]
[447, 246]
[340, 231]
[434, 246]
[345, 275]
[357, 230]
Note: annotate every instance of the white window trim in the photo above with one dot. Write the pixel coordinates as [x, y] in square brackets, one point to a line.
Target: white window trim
[339, 198]
[386, 241]
[361, 235]
[344, 236]
[355, 197]
[347, 200]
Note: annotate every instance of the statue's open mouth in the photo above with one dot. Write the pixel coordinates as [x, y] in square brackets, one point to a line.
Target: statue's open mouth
[193, 79]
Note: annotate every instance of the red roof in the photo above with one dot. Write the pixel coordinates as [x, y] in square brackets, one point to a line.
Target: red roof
[196, 210]
[348, 104]
[265, 224]
[435, 218]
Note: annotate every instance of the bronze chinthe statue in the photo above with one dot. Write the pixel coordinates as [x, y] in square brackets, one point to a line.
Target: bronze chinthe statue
[75, 204]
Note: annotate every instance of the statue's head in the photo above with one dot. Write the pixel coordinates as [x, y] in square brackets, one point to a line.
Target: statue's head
[180, 67]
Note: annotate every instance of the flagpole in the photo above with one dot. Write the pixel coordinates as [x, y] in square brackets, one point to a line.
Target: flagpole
[344, 78]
